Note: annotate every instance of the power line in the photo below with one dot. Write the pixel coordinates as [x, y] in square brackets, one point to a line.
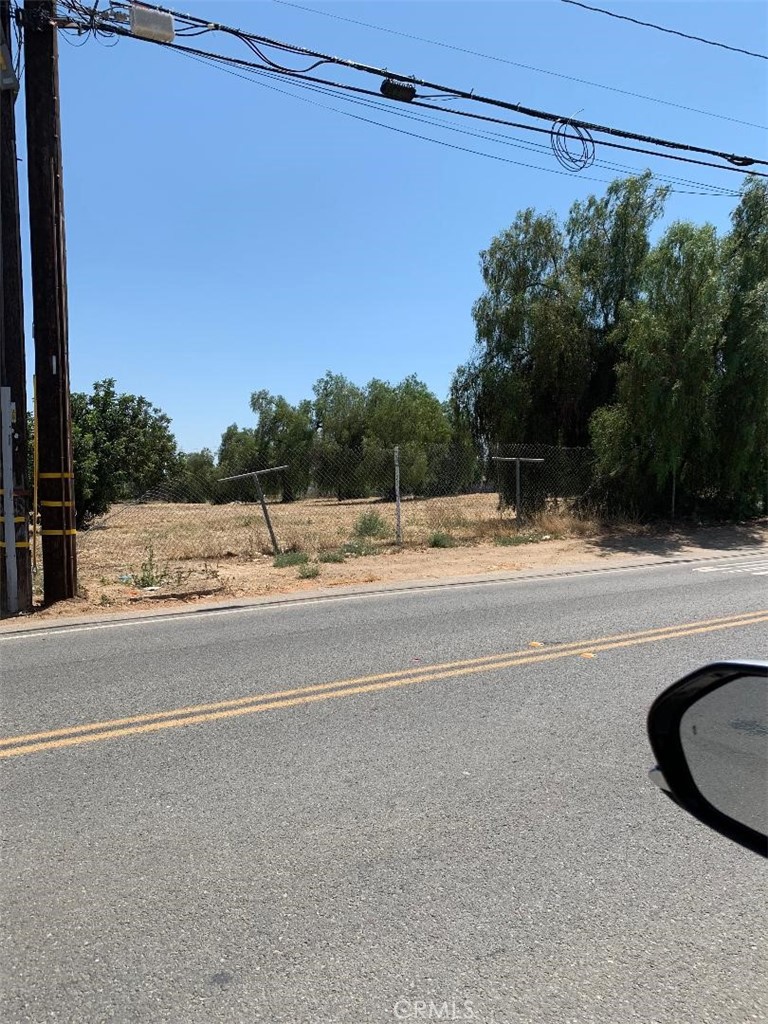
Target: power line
[471, 96]
[517, 64]
[505, 139]
[381, 124]
[561, 125]
[563, 136]
[493, 137]
[251, 39]
[662, 28]
[426, 138]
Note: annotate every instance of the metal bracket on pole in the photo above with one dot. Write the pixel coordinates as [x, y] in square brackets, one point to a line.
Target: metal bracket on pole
[8, 79]
[9, 526]
[517, 460]
[256, 474]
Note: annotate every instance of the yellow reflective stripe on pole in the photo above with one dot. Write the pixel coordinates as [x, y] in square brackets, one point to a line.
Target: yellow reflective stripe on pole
[57, 533]
[57, 504]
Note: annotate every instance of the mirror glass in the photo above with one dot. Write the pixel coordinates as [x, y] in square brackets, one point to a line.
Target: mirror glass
[724, 736]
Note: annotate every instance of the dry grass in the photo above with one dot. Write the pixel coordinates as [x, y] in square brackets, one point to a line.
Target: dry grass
[183, 533]
[561, 522]
[206, 548]
[167, 554]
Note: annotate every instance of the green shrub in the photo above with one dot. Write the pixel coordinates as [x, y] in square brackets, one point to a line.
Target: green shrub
[441, 540]
[331, 556]
[308, 571]
[289, 558]
[370, 524]
[151, 573]
[510, 540]
[358, 548]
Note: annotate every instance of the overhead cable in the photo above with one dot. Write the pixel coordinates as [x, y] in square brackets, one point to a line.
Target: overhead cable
[425, 138]
[737, 161]
[663, 28]
[516, 64]
[374, 102]
[564, 126]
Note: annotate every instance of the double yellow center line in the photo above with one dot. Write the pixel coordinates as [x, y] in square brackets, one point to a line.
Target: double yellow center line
[77, 735]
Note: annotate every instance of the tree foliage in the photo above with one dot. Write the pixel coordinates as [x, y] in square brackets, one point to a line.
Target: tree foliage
[741, 382]
[660, 430]
[196, 477]
[656, 354]
[594, 330]
[547, 324]
[341, 442]
[123, 447]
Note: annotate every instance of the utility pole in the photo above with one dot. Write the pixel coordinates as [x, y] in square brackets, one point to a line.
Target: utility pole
[12, 360]
[49, 301]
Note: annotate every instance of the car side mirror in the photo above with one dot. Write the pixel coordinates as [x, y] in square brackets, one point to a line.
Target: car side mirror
[709, 733]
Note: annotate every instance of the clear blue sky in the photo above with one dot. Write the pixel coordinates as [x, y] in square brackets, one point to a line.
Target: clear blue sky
[224, 237]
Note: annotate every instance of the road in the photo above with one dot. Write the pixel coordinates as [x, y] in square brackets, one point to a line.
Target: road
[430, 804]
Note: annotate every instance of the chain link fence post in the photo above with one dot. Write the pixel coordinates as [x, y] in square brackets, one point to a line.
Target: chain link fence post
[518, 497]
[398, 520]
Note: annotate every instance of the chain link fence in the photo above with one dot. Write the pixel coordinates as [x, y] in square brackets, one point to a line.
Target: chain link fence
[331, 505]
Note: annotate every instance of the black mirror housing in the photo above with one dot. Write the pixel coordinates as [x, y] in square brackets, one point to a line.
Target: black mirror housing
[723, 749]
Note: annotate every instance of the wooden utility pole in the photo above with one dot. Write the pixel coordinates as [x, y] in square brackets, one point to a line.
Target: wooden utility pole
[49, 301]
[12, 361]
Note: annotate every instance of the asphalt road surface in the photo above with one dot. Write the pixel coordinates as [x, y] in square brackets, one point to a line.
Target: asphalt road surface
[427, 805]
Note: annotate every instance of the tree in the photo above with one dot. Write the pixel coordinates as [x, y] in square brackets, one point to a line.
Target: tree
[608, 243]
[404, 413]
[523, 272]
[196, 477]
[548, 325]
[340, 411]
[358, 428]
[658, 439]
[410, 416]
[123, 447]
[741, 390]
[238, 453]
[284, 435]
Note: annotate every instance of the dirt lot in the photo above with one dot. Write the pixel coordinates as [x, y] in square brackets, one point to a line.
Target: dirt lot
[165, 555]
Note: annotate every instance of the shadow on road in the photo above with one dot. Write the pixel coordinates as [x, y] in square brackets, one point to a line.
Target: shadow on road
[674, 540]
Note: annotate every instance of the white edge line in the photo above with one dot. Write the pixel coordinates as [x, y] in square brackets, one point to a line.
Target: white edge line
[737, 568]
[733, 568]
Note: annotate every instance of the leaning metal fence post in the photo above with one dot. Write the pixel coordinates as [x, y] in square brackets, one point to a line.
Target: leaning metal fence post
[265, 510]
[256, 474]
[398, 523]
